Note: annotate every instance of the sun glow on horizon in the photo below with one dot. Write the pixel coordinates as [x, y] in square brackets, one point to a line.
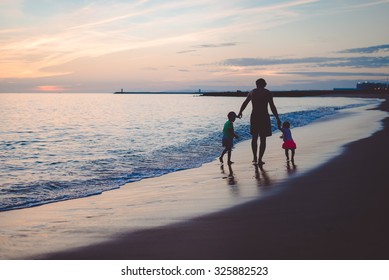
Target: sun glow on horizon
[50, 88]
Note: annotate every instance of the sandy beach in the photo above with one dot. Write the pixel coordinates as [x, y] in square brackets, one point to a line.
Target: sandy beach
[336, 211]
[330, 205]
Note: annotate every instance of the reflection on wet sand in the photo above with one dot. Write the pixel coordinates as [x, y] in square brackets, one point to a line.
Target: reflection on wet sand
[230, 177]
[291, 167]
[262, 177]
[231, 180]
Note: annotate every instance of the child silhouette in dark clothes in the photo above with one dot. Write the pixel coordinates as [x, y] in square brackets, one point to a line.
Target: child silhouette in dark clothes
[228, 137]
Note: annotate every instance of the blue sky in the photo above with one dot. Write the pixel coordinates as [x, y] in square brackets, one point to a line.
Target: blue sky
[103, 46]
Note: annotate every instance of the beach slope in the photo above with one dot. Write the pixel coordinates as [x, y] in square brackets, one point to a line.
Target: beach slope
[336, 211]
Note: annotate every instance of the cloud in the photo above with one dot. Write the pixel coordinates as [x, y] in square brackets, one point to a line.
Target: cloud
[370, 4]
[356, 62]
[216, 45]
[271, 61]
[186, 51]
[360, 62]
[372, 49]
[206, 46]
[279, 6]
[329, 73]
[54, 38]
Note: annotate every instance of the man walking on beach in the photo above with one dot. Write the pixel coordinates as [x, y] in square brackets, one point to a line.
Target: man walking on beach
[260, 125]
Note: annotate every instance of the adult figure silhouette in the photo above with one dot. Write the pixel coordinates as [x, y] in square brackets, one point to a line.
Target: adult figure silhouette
[260, 125]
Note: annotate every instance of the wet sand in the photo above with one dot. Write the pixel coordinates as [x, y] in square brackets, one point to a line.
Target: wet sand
[337, 210]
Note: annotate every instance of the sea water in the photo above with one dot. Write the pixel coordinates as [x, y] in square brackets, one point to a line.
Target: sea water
[55, 147]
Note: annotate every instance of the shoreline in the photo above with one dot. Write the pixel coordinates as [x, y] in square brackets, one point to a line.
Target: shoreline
[326, 213]
[307, 93]
[279, 93]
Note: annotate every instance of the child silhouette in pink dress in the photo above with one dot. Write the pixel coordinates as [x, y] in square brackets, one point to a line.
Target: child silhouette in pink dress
[289, 143]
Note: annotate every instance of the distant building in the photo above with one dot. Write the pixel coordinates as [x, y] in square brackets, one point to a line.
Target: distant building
[372, 86]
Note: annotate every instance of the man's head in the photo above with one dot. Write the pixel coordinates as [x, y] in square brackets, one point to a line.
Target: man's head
[261, 83]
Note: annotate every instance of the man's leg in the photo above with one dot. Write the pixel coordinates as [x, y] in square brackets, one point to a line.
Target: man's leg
[262, 148]
[254, 146]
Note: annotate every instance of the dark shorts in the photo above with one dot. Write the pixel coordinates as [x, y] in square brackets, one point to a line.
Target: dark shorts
[227, 142]
[260, 125]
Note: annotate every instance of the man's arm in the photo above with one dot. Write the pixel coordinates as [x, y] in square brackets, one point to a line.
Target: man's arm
[244, 105]
[274, 111]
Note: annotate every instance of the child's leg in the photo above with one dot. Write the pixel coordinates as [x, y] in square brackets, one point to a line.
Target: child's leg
[293, 150]
[229, 156]
[287, 154]
[222, 155]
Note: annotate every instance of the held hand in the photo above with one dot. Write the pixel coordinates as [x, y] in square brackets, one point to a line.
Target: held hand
[240, 115]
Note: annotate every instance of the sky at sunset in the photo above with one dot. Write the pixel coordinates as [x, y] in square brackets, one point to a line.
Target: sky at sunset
[175, 45]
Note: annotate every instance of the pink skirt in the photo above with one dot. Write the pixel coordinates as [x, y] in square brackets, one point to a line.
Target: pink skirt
[290, 144]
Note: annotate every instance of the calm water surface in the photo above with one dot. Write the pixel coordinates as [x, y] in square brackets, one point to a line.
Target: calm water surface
[62, 146]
